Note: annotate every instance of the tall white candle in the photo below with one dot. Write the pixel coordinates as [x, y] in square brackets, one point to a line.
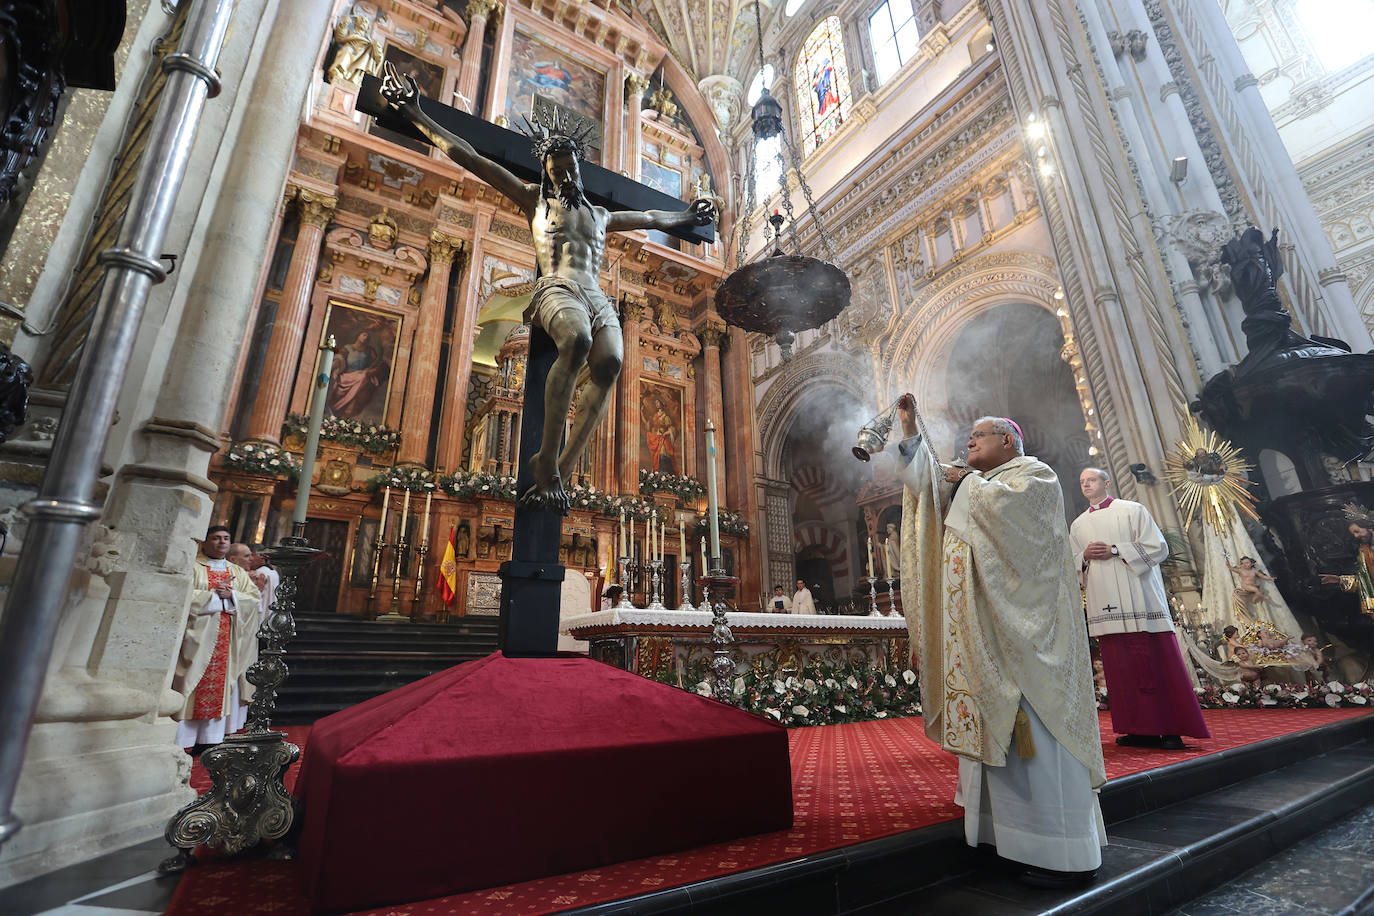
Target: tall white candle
[887, 570]
[386, 498]
[704, 570]
[405, 514]
[324, 365]
[870, 559]
[632, 538]
[653, 535]
[424, 528]
[712, 506]
[622, 532]
[681, 541]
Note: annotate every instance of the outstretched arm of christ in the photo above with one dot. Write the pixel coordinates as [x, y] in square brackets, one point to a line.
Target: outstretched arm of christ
[700, 213]
[402, 93]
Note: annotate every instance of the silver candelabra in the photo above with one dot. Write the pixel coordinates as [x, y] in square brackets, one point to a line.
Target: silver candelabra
[656, 597]
[625, 603]
[893, 594]
[685, 568]
[873, 597]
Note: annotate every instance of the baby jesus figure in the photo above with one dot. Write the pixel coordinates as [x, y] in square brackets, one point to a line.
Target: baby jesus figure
[1249, 591]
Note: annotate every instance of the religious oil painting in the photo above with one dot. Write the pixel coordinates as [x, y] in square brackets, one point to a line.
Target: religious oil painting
[660, 178]
[660, 413]
[429, 76]
[821, 79]
[539, 69]
[360, 383]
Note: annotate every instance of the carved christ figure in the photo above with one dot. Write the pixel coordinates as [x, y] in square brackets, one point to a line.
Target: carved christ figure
[570, 245]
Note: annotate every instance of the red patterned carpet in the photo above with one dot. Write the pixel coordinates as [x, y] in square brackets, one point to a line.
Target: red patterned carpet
[850, 783]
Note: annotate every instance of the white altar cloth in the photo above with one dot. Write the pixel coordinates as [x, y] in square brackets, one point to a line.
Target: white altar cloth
[702, 619]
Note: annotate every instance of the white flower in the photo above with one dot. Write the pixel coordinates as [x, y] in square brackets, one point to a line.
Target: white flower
[831, 683]
[1199, 690]
[739, 686]
[810, 685]
[1333, 700]
[801, 711]
[889, 680]
[1300, 696]
[1237, 688]
[1269, 701]
[793, 683]
[1361, 686]
[1230, 697]
[854, 684]
[1336, 687]
[909, 676]
[775, 713]
[880, 715]
[704, 689]
[778, 687]
[1273, 690]
[1358, 699]
[841, 709]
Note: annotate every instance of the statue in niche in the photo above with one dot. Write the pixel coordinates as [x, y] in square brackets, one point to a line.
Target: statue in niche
[358, 52]
[570, 247]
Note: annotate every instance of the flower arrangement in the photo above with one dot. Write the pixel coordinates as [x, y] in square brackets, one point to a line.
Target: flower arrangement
[687, 488]
[262, 458]
[730, 523]
[820, 693]
[370, 437]
[1332, 695]
[465, 484]
[403, 477]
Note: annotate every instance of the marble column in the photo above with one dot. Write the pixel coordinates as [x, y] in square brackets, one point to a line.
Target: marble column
[102, 771]
[635, 86]
[469, 73]
[288, 330]
[424, 353]
[627, 397]
[712, 336]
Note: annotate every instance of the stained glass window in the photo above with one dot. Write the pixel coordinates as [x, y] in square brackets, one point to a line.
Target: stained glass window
[822, 82]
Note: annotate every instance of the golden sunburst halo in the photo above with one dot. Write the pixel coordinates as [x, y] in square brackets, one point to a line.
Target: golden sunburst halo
[1208, 476]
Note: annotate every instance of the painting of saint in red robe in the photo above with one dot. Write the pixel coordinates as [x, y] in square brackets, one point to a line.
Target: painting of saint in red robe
[361, 377]
[661, 420]
[823, 83]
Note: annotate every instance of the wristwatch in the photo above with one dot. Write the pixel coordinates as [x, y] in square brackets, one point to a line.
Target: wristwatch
[1115, 552]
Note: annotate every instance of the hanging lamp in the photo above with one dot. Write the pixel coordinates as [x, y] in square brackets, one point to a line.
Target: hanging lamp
[783, 292]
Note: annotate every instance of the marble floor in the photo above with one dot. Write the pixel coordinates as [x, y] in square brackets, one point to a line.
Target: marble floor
[122, 883]
[1329, 873]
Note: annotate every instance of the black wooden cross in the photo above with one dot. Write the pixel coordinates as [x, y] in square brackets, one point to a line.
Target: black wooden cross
[532, 581]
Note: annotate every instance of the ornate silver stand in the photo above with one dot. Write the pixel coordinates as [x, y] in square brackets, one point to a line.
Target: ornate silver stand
[247, 801]
[873, 598]
[705, 595]
[656, 599]
[625, 603]
[685, 567]
[722, 663]
[893, 594]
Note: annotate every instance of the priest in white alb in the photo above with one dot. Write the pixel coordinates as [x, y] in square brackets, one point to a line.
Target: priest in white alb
[1118, 548]
[992, 603]
[220, 642]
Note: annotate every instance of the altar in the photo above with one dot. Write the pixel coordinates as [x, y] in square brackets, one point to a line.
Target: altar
[666, 645]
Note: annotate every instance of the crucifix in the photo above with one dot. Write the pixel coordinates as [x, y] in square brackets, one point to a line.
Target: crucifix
[573, 325]
[1109, 608]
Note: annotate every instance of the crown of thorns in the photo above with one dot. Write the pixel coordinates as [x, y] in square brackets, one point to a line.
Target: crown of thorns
[552, 131]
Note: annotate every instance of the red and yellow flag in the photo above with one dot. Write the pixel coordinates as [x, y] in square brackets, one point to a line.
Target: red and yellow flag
[448, 570]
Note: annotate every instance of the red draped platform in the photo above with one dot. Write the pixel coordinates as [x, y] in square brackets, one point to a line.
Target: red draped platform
[509, 769]
[850, 783]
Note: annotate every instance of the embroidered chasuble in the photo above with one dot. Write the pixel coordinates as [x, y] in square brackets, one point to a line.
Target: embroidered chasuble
[995, 613]
[218, 645]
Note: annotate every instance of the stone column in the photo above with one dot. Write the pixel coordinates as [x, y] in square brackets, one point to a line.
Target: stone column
[424, 353]
[461, 343]
[712, 336]
[469, 73]
[741, 438]
[284, 348]
[635, 86]
[626, 396]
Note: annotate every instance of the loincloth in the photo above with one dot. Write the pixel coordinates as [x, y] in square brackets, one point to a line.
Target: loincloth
[552, 295]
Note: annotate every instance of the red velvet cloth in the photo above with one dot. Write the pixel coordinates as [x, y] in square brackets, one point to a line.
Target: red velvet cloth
[508, 769]
[1147, 686]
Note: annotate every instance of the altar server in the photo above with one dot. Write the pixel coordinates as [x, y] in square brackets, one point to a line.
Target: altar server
[1118, 549]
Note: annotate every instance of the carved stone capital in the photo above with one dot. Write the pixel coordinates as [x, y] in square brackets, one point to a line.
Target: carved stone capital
[484, 9]
[316, 209]
[1245, 81]
[636, 84]
[712, 334]
[1168, 89]
[442, 248]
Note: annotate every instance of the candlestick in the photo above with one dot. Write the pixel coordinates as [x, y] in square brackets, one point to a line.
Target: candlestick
[424, 527]
[685, 568]
[712, 506]
[324, 363]
[625, 584]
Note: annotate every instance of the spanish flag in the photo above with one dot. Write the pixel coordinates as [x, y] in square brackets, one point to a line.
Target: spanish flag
[448, 571]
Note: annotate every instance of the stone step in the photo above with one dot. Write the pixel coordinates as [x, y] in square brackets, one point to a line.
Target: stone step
[1176, 832]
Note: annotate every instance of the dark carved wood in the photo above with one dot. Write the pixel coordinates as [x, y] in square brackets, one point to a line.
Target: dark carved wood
[46, 47]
